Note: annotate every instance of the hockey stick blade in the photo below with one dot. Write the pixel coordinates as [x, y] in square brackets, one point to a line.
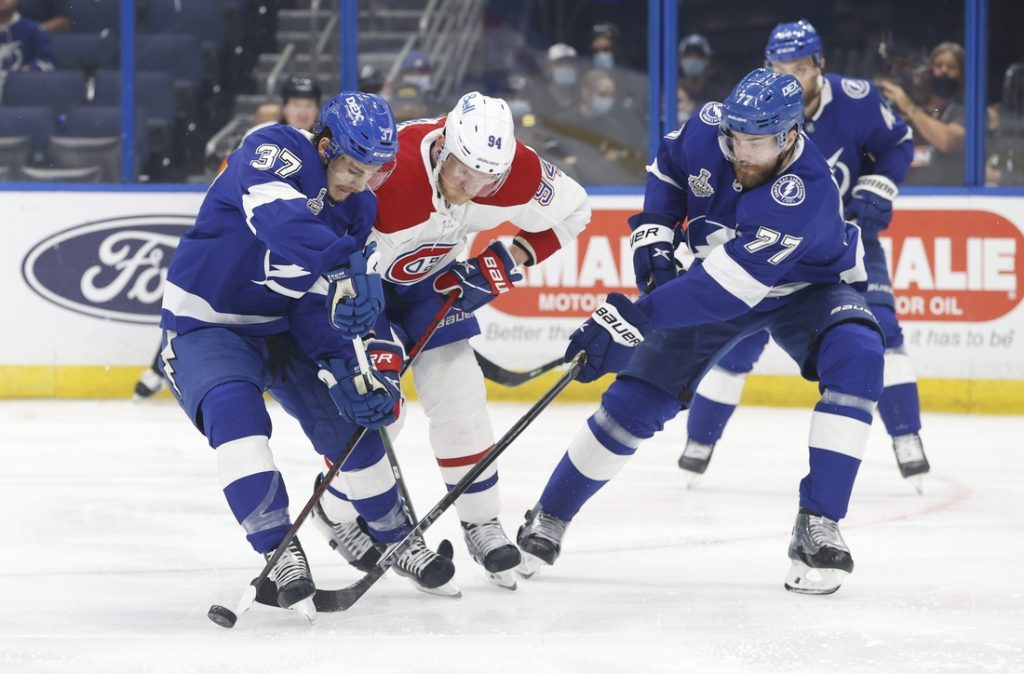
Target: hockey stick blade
[500, 375]
[329, 601]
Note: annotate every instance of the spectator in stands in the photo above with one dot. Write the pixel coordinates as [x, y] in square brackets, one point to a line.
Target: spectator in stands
[23, 43]
[697, 84]
[300, 101]
[604, 44]
[370, 80]
[558, 94]
[416, 71]
[53, 15]
[938, 120]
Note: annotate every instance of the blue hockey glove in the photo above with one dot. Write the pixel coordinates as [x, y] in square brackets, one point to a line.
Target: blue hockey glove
[355, 295]
[481, 279]
[370, 399]
[871, 203]
[653, 244]
[608, 336]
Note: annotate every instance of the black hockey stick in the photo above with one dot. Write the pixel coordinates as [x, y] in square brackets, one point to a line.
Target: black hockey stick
[500, 375]
[329, 601]
[223, 616]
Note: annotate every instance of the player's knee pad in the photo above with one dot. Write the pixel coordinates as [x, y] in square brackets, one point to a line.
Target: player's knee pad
[451, 389]
[637, 407]
[234, 410]
[850, 361]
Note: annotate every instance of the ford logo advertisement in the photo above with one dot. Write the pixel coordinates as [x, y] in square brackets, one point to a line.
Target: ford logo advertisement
[112, 269]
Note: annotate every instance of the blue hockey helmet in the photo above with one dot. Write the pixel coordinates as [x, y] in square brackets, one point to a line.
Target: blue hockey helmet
[362, 126]
[764, 103]
[792, 41]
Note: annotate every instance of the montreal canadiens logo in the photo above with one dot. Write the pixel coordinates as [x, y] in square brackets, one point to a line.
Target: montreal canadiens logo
[711, 114]
[788, 190]
[418, 264]
[855, 88]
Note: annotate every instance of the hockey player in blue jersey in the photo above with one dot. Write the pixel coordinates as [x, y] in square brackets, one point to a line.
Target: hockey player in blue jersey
[870, 150]
[271, 291]
[773, 252]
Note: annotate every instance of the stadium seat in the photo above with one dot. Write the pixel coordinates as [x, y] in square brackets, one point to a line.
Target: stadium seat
[96, 16]
[81, 51]
[179, 54]
[14, 152]
[154, 92]
[202, 18]
[103, 152]
[59, 90]
[93, 121]
[89, 174]
[33, 121]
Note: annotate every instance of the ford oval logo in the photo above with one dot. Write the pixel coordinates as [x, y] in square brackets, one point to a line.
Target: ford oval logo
[113, 269]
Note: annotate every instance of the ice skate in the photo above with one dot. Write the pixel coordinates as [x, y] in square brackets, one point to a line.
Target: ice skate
[429, 571]
[910, 458]
[820, 557]
[150, 383]
[695, 458]
[492, 549]
[293, 580]
[540, 539]
[349, 539]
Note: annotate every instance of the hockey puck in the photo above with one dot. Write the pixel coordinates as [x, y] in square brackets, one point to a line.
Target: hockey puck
[224, 617]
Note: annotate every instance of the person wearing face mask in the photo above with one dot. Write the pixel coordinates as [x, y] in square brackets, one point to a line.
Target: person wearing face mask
[938, 120]
[869, 150]
[602, 46]
[696, 83]
[560, 93]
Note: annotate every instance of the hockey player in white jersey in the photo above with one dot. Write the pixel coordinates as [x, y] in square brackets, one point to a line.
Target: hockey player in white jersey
[459, 175]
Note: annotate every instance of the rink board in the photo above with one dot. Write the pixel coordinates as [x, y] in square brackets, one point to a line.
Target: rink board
[83, 274]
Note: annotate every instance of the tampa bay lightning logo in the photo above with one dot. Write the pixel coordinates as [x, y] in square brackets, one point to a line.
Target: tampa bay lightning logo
[788, 190]
[711, 114]
[855, 88]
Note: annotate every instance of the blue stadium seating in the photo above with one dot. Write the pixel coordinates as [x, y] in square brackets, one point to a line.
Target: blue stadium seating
[193, 17]
[96, 16]
[84, 51]
[180, 54]
[35, 121]
[60, 90]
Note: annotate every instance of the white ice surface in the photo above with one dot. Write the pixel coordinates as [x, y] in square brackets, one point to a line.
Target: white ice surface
[116, 540]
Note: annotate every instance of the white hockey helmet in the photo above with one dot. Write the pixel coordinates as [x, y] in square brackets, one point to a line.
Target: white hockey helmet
[479, 133]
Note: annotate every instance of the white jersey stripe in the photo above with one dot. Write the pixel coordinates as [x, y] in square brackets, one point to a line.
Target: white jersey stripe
[736, 280]
[186, 305]
[836, 433]
[265, 193]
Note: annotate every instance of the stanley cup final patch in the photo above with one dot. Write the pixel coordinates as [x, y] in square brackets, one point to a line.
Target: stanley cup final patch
[699, 184]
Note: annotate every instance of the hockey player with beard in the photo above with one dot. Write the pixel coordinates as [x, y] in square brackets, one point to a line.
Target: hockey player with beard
[280, 230]
[773, 252]
[459, 175]
[870, 150]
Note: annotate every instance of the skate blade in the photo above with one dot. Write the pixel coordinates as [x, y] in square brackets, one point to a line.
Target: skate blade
[804, 579]
[694, 480]
[306, 608]
[918, 483]
[503, 579]
[449, 589]
[529, 566]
